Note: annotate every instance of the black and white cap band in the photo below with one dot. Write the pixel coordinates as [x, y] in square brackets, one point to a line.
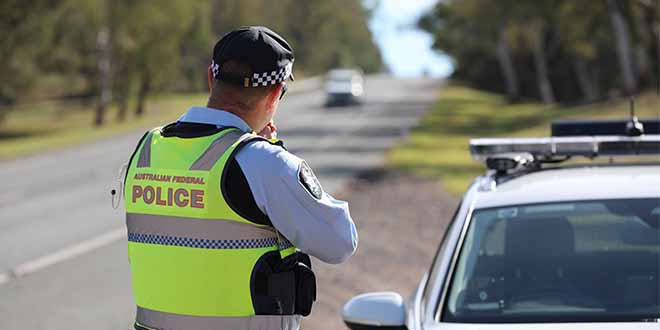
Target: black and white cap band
[257, 79]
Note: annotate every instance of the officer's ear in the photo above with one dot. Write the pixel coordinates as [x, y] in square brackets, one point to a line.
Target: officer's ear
[274, 94]
[211, 80]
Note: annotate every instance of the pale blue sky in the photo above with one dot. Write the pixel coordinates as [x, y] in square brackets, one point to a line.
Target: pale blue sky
[406, 50]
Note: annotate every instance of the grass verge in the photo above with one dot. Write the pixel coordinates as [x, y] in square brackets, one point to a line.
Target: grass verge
[438, 147]
[50, 125]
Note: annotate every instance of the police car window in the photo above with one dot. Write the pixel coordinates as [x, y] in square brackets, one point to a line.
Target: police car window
[562, 262]
[435, 265]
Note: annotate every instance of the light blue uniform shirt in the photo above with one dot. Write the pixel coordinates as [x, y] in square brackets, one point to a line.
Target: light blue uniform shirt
[321, 227]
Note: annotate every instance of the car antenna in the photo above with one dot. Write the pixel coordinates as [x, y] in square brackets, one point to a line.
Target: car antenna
[634, 127]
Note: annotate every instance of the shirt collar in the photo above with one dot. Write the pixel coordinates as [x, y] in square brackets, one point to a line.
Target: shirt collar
[204, 115]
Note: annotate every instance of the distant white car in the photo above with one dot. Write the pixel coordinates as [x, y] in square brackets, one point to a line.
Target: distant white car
[344, 87]
[537, 244]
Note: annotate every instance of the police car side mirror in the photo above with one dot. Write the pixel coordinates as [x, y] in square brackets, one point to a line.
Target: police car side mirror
[377, 310]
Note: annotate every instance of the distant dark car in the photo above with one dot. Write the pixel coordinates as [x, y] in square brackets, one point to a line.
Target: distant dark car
[344, 87]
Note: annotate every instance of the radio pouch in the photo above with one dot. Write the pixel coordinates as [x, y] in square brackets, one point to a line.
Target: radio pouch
[300, 266]
[305, 286]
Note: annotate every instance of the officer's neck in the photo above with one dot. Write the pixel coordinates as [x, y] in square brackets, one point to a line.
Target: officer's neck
[250, 117]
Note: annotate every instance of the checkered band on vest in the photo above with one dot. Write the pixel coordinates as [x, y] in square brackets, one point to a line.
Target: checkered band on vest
[202, 243]
[285, 244]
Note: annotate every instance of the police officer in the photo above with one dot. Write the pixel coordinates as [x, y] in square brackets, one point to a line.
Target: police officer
[220, 219]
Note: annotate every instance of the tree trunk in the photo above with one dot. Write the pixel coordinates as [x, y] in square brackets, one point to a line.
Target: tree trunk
[122, 85]
[503, 53]
[104, 43]
[584, 79]
[657, 73]
[654, 22]
[105, 80]
[545, 87]
[123, 106]
[145, 87]
[623, 48]
[657, 45]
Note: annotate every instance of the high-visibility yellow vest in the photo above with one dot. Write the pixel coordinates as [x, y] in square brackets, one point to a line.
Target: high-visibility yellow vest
[192, 256]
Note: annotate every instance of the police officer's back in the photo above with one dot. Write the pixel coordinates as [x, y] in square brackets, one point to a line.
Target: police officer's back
[220, 219]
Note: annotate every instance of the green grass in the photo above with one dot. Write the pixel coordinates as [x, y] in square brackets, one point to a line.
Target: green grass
[29, 129]
[438, 147]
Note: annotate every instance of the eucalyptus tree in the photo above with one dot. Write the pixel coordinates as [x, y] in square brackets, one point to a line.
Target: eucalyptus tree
[623, 45]
[471, 27]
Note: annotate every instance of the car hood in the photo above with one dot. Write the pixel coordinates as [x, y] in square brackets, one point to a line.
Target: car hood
[554, 326]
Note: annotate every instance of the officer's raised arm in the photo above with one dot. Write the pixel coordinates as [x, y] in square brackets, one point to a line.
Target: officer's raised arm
[288, 192]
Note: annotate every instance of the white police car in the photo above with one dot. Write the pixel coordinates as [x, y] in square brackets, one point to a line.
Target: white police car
[541, 244]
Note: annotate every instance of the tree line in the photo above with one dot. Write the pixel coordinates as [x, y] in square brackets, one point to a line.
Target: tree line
[551, 50]
[111, 51]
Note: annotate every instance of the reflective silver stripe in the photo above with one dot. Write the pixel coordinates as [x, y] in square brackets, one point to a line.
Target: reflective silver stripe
[209, 229]
[217, 148]
[145, 153]
[152, 319]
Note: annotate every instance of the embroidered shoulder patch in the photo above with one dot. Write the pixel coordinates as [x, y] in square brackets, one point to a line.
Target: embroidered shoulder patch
[309, 180]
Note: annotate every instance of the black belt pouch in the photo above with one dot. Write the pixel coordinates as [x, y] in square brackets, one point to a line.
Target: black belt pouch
[280, 287]
[305, 285]
[290, 287]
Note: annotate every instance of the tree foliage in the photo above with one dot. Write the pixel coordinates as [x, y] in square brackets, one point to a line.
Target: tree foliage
[126, 49]
[21, 41]
[561, 50]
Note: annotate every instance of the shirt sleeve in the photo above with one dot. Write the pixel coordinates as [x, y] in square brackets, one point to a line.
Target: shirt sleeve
[318, 225]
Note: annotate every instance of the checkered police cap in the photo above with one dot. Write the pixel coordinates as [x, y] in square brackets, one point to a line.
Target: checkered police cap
[269, 56]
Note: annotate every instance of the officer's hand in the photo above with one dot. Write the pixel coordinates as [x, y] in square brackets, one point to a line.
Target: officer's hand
[269, 132]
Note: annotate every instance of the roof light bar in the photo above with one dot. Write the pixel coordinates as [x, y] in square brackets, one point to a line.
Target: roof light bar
[509, 161]
[618, 127]
[556, 147]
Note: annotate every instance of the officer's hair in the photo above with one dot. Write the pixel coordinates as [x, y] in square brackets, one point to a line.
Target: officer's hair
[244, 98]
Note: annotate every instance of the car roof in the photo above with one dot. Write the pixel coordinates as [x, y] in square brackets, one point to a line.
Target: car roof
[574, 183]
[342, 73]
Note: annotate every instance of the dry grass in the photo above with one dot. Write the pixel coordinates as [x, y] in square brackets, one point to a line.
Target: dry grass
[50, 125]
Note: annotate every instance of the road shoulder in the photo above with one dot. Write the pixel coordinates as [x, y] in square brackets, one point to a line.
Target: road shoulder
[400, 220]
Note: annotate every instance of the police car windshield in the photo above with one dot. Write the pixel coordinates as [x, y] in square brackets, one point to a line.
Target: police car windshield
[582, 261]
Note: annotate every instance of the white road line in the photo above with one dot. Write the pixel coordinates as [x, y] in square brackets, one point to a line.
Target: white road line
[64, 254]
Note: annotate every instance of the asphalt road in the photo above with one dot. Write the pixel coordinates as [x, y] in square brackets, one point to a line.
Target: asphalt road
[63, 262]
